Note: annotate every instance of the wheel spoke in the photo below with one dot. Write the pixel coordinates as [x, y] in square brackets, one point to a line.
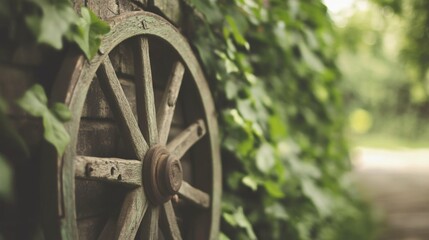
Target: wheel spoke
[169, 222]
[108, 231]
[116, 170]
[144, 92]
[194, 195]
[168, 103]
[122, 110]
[186, 139]
[149, 227]
[132, 212]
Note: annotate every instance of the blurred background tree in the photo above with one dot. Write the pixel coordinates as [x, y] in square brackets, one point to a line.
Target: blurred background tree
[384, 61]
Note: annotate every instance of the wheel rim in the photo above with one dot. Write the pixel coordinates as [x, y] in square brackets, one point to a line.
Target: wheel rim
[142, 206]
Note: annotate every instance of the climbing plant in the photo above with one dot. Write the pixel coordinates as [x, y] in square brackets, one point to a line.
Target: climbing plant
[44, 24]
[273, 72]
[50, 23]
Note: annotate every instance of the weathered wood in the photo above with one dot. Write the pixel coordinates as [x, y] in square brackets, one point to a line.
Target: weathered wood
[149, 228]
[89, 228]
[175, 131]
[168, 103]
[122, 58]
[96, 198]
[97, 107]
[132, 212]
[162, 60]
[31, 56]
[170, 8]
[142, 2]
[108, 232]
[194, 195]
[103, 8]
[96, 104]
[207, 177]
[78, 4]
[127, 6]
[90, 134]
[144, 92]
[122, 109]
[76, 84]
[178, 119]
[169, 222]
[109, 169]
[185, 140]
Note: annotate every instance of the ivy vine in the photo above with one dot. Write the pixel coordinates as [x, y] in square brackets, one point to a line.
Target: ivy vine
[48, 23]
[285, 158]
[273, 73]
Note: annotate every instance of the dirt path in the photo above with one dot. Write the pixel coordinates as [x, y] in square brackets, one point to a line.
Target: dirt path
[398, 183]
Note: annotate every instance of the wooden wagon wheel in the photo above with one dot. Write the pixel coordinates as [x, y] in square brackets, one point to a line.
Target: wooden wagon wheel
[149, 194]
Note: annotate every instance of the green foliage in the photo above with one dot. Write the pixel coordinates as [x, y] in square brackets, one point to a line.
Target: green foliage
[277, 88]
[36, 23]
[87, 32]
[377, 75]
[237, 219]
[49, 22]
[34, 101]
[52, 22]
[414, 50]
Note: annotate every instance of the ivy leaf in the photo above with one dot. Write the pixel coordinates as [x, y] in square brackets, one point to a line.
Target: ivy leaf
[88, 31]
[320, 199]
[233, 28]
[231, 90]
[208, 9]
[310, 58]
[251, 182]
[320, 92]
[303, 169]
[55, 133]
[246, 110]
[265, 158]
[274, 189]
[277, 127]
[34, 101]
[239, 219]
[61, 112]
[278, 211]
[222, 236]
[233, 180]
[56, 19]
[5, 179]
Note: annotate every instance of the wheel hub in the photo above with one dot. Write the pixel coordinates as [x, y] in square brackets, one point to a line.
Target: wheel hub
[162, 175]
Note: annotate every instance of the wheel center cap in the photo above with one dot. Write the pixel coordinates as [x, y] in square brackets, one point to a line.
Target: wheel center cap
[162, 174]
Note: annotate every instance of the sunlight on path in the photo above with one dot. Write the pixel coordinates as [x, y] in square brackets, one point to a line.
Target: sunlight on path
[391, 160]
[397, 181]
